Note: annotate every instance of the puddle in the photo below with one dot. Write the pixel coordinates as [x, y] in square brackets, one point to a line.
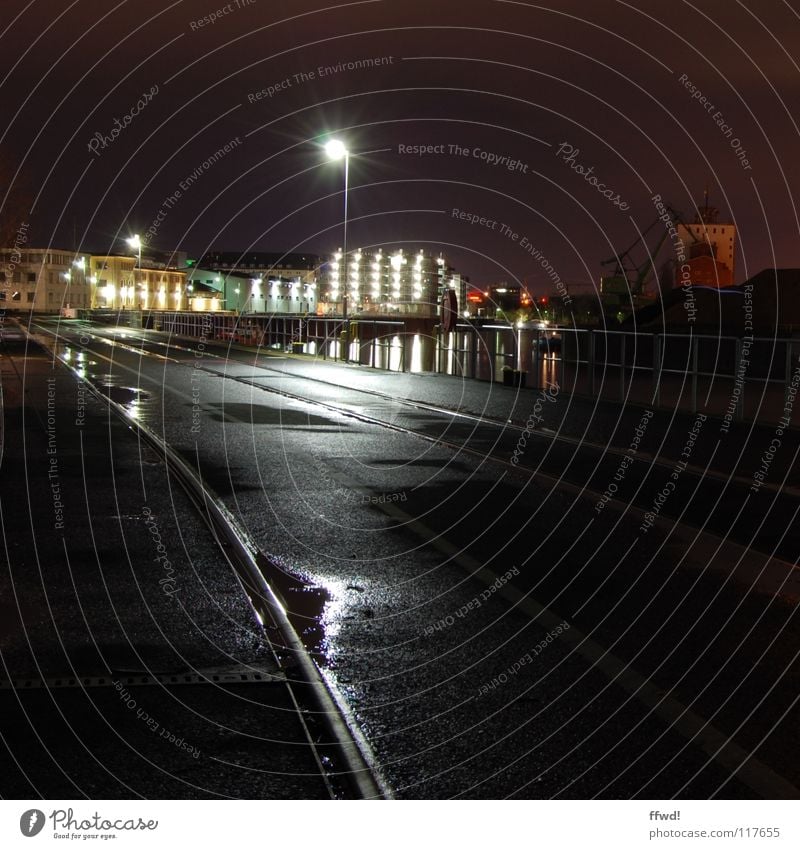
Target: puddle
[308, 606]
[136, 402]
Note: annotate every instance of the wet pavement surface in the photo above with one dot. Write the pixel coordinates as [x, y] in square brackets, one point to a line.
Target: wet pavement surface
[111, 575]
[493, 634]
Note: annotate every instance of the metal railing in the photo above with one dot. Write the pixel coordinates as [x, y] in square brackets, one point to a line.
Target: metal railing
[731, 376]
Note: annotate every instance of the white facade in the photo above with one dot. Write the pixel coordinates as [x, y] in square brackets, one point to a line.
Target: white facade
[720, 239]
[256, 293]
[43, 280]
[388, 283]
[117, 283]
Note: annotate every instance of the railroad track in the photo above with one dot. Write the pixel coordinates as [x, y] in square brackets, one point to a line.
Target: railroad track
[637, 502]
[695, 728]
[345, 761]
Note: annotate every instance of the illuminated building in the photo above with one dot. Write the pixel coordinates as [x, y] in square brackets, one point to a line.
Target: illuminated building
[389, 282]
[43, 280]
[117, 284]
[709, 247]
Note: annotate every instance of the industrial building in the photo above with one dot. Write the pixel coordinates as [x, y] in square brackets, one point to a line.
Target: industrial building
[254, 282]
[43, 280]
[709, 248]
[54, 280]
[381, 283]
[118, 282]
[388, 283]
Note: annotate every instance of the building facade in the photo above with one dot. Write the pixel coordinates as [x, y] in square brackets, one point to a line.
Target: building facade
[710, 249]
[43, 280]
[118, 284]
[250, 293]
[288, 267]
[388, 283]
[258, 282]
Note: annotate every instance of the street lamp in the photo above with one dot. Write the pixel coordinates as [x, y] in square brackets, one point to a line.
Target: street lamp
[336, 150]
[80, 264]
[136, 243]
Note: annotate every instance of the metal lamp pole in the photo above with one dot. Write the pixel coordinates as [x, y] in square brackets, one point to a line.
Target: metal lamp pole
[337, 150]
[136, 243]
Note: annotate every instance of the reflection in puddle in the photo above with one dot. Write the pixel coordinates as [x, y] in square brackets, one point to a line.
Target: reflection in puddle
[78, 361]
[314, 610]
[136, 402]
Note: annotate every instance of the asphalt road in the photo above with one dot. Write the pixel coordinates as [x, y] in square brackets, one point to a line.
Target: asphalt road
[494, 632]
[132, 662]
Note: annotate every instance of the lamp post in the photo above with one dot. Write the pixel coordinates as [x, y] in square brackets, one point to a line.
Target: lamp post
[136, 243]
[336, 150]
[80, 264]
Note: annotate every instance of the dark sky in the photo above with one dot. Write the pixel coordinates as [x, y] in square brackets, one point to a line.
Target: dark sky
[511, 79]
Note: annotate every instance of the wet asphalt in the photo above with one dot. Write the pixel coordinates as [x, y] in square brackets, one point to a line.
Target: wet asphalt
[133, 664]
[462, 690]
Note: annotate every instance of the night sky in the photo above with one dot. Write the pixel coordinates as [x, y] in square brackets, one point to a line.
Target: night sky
[612, 80]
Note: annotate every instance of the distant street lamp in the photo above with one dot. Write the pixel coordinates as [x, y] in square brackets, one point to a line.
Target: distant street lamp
[136, 243]
[80, 264]
[336, 150]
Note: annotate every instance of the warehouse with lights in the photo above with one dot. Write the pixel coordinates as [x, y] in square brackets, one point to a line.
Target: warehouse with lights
[388, 283]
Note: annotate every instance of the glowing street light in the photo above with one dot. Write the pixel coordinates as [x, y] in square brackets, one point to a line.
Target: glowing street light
[336, 150]
[136, 243]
